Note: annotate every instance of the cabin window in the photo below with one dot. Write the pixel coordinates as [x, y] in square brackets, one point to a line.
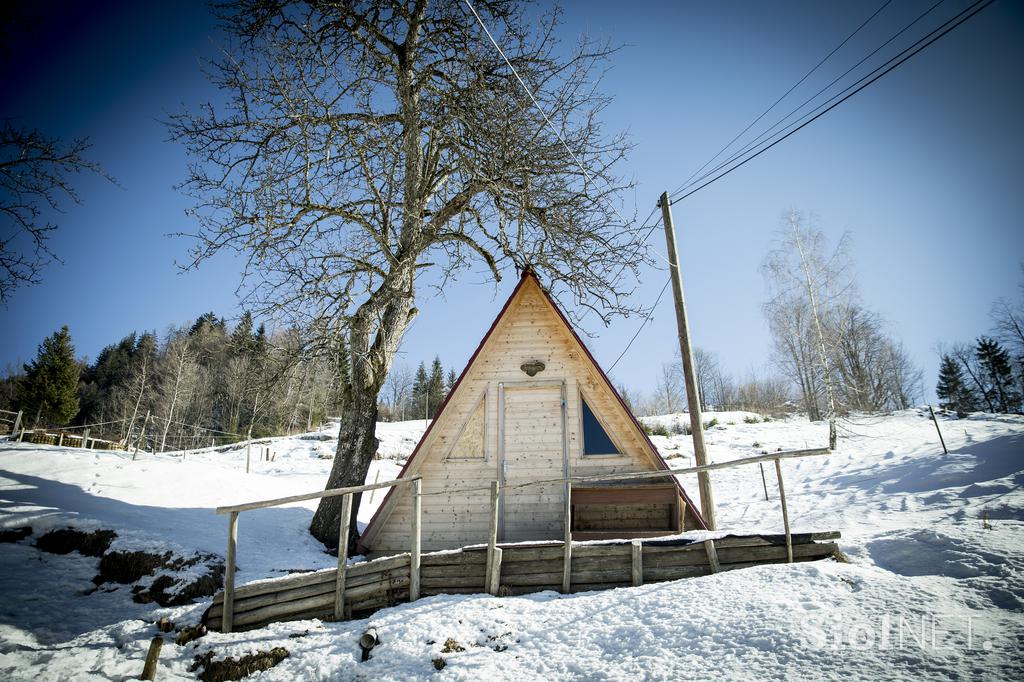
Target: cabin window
[469, 444]
[595, 439]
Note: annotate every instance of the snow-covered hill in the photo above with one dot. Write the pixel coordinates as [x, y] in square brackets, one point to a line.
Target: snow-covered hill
[935, 588]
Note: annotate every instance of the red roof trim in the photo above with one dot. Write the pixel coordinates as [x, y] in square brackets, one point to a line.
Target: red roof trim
[529, 274]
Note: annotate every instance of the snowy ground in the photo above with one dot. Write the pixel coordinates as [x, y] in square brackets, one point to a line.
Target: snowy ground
[935, 588]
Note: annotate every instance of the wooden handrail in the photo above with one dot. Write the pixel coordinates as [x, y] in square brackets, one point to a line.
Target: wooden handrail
[332, 492]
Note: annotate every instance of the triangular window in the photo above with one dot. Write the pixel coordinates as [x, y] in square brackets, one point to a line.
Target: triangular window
[595, 439]
[470, 442]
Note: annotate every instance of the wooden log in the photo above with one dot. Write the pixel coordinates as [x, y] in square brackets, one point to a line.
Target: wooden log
[149, 669]
[785, 514]
[624, 550]
[521, 567]
[553, 578]
[494, 572]
[339, 578]
[455, 570]
[709, 547]
[659, 574]
[492, 535]
[454, 559]
[229, 572]
[637, 567]
[414, 560]
[454, 581]
[601, 576]
[431, 591]
[324, 576]
[567, 531]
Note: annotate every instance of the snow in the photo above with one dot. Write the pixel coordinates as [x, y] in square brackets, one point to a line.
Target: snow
[935, 588]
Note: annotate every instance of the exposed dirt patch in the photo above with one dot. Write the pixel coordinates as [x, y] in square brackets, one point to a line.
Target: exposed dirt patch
[128, 567]
[67, 540]
[176, 582]
[230, 669]
[14, 534]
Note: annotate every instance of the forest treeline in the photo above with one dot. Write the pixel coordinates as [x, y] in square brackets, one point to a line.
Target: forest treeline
[204, 383]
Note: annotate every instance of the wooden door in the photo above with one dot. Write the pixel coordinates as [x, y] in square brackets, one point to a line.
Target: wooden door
[532, 450]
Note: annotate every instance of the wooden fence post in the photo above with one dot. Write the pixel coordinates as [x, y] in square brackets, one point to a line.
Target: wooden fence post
[17, 423]
[494, 573]
[785, 514]
[492, 536]
[764, 481]
[152, 656]
[709, 547]
[414, 558]
[638, 563]
[343, 533]
[85, 439]
[936, 422]
[567, 541]
[228, 616]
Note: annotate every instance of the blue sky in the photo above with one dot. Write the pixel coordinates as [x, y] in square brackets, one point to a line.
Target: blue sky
[924, 168]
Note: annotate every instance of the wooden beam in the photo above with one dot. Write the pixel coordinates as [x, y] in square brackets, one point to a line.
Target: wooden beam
[344, 527]
[414, 556]
[785, 513]
[567, 540]
[333, 492]
[229, 573]
[649, 494]
[638, 563]
[709, 547]
[492, 534]
[494, 573]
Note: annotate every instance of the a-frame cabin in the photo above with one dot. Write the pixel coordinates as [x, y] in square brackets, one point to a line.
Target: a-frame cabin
[532, 405]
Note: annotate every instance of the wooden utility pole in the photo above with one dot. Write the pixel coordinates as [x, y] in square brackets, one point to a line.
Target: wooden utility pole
[707, 500]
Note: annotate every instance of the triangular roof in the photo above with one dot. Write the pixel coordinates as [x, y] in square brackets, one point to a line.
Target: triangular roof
[529, 275]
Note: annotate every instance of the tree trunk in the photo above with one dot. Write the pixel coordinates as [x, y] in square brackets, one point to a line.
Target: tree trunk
[357, 444]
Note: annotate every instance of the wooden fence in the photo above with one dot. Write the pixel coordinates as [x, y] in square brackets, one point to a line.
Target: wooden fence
[566, 565]
[523, 569]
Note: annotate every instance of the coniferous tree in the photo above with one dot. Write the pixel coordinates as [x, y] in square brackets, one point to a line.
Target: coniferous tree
[435, 387]
[995, 362]
[421, 392]
[952, 389]
[50, 388]
[450, 382]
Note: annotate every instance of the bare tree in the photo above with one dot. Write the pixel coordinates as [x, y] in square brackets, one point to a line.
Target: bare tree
[366, 142]
[175, 380]
[669, 392]
[805, 285]
[36, 175]
[398, 390]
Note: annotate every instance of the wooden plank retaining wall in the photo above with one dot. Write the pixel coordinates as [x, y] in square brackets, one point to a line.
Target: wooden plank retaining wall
[523, 569]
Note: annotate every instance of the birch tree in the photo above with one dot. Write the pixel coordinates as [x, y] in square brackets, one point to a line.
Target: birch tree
[805, 285]
[365, 146]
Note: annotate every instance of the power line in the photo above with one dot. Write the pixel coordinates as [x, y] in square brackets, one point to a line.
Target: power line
[766, 133]
[647, 318]
[786, 94]
[561, 138]
[880, 71]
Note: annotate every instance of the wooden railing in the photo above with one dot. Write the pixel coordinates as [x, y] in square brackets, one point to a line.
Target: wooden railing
[494, 556]
[347, 495]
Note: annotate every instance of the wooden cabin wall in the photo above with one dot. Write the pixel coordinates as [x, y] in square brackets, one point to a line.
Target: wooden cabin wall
[530, 330]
